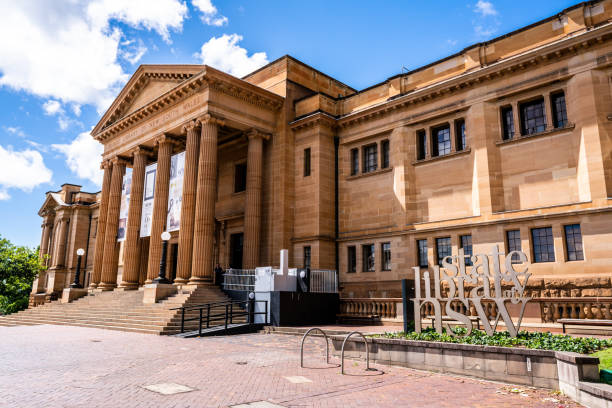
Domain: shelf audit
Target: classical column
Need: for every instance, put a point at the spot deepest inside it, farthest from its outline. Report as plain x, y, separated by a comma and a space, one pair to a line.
252, 210
38, 284
61, 242
190, 184
160, 204
131, 263
204, 229
111, 249
103, 209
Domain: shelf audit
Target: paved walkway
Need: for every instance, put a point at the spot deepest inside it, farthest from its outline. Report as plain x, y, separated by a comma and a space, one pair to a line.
62, 366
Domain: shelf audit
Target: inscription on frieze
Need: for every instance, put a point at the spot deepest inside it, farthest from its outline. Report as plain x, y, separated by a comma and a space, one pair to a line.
493, 282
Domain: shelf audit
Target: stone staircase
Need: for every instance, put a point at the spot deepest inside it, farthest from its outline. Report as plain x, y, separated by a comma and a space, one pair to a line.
120, 310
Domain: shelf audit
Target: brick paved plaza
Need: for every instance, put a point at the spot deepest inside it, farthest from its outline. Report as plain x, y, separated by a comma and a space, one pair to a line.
62, 366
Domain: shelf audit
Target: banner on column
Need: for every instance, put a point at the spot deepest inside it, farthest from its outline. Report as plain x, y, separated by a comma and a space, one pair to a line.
126, 191
147, 200
175, 194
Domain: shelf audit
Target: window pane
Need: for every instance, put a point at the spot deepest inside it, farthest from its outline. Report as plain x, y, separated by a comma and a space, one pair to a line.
386, 256
559, 111
354, 161
421, 144
441, 142
466, 244
422, 252
307, 257
443, 248
240, 177
573, 243
368, 258
513, 239
533, 117
307, 162
460, 134
507, 123
543, 245
369, 158
385, 154
352, 259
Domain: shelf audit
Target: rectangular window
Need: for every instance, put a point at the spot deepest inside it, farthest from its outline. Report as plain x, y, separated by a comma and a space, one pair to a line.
573, 242
460, 135
443, 248
369, 158
533, 117
543, 245
422, 253
386, 256
384, 159
513, 240
240, 176
352, 259
368, 258
441, 141
466, 244
306, 257
307, 162
354, 161
559, 112
421, 144
507, 123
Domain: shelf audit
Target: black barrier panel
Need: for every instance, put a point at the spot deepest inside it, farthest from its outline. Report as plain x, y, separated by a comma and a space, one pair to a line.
297, 309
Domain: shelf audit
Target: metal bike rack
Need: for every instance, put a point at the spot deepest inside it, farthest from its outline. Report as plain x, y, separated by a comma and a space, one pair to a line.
367, 352
302, 345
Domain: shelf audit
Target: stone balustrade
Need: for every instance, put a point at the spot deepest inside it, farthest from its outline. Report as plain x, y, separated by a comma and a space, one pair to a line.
553, 309
385, 308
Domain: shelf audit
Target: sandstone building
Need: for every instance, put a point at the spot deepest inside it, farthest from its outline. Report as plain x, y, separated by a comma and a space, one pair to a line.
507, 143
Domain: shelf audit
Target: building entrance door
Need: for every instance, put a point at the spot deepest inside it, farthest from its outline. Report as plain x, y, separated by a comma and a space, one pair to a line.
236, 251
173, 262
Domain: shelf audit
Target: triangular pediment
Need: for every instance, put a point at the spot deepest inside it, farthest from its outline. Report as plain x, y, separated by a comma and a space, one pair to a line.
148, 83
51, 202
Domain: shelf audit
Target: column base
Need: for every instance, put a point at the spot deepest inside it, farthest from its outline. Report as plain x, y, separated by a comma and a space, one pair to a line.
127, 286
197, 282
107, 286
180, 281
71, 294
93, 286
157, 291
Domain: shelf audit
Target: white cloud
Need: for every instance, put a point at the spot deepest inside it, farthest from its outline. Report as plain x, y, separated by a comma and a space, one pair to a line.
485, 8
83, 157
52, 107
22, 170
67, 50
15, 130
210, 14
225, 54
133, 51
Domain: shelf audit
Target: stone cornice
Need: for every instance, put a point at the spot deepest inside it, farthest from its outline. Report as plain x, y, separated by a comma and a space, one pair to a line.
209, 77
318, 118
562, 48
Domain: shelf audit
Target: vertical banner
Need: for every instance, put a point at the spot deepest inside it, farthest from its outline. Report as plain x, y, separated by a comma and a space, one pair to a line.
147, 200
126, 191
175, 195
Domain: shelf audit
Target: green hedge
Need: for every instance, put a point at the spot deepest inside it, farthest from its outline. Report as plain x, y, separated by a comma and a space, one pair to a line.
532, 340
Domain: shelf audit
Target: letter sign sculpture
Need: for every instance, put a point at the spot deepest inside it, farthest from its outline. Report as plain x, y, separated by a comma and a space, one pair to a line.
487, 282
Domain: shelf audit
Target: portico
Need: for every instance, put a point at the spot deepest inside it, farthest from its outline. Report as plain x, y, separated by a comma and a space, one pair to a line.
216, 120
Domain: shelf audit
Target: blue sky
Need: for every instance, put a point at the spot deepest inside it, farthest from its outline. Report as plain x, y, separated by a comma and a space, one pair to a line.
67, 59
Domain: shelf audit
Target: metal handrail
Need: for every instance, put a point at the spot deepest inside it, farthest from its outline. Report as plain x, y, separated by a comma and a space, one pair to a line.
227, 316
366, 347
302, 346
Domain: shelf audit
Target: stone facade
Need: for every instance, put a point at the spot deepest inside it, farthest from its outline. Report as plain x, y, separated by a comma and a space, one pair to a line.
507, 143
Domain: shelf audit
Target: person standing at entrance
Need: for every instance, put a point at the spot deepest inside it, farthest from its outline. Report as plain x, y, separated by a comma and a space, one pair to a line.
219, 275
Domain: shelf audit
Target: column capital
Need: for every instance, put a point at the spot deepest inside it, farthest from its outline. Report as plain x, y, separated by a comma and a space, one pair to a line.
166, 138
209, 119
119, 160
105, 164
255, 134
140, 151
191, 125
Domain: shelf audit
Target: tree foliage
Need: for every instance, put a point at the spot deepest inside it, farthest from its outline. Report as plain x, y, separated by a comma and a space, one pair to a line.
19, 266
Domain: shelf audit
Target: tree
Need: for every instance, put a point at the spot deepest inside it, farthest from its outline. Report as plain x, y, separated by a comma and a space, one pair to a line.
19, 266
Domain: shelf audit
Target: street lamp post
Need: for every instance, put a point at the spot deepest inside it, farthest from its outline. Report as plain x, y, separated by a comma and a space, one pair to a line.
165, 236
80, 252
